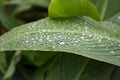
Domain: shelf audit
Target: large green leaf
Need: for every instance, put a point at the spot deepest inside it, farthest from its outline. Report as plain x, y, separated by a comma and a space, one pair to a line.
107, 8
81, 36
71, 8
74, 67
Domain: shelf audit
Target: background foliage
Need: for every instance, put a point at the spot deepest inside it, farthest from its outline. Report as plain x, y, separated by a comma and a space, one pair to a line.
95, 43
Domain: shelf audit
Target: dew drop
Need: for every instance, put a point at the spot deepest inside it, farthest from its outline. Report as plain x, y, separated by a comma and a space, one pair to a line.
99, 40
76, 41
27, 41
34, 41
62, 43
43, 30
50, 40
82, 38
112, 52
118, 17
40, 40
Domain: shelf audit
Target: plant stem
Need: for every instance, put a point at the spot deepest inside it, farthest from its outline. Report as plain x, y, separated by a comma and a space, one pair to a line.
104, 8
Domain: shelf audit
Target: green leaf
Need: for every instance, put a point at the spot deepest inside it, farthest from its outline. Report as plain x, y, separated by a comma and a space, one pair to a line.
38, 58
115, 74
71, 8
38, 3
39, 74
11, 68
107, 8
3, 63
2, 2
74, 67
78, 35
22, 7
9, 21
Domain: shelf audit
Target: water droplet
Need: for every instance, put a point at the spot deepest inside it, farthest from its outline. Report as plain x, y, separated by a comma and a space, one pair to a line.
112, 52
34, 41
99, 40
76, 41
43, 30
118, 17
50, 40
27, 41
82, 38
40, 40
62, 43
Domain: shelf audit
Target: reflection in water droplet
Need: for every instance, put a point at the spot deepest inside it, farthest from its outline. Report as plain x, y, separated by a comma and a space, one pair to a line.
62, 43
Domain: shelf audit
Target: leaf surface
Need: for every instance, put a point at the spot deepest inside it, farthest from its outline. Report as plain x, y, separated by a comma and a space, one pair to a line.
81, 36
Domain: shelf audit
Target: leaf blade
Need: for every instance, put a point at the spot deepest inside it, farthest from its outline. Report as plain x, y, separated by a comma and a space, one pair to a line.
81, 36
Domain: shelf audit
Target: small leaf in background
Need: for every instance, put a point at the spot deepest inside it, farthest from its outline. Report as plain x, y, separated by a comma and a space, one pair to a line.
38, 58
8, 21
78, 35
107, 8
71, 8
21, 8
38, 3
74, 67
116, 74
11, 68
2, 2
3, 63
